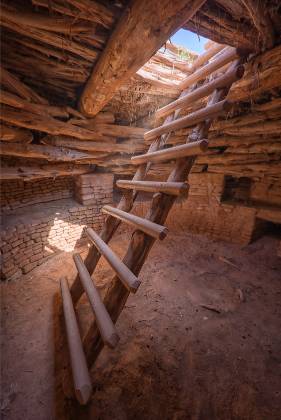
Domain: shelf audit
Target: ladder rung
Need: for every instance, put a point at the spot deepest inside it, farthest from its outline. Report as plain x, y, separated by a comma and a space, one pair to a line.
189, 149
80, 372
105, 325
225, 80
171, 188
209, 112
206, 56
224, 58
152, 229
129, 280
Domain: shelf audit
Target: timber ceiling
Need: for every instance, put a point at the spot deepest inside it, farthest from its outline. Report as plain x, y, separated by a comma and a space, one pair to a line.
50, 47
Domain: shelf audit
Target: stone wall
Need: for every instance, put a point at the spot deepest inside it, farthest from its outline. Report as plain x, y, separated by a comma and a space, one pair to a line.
204, 211
17, 193
32, 234
90, 189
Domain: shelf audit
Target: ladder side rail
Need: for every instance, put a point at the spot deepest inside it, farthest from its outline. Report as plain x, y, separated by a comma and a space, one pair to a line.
126, 203
141, 243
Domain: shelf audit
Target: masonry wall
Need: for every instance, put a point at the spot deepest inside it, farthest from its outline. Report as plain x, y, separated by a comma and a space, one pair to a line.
17, 193
203, 212
27, 241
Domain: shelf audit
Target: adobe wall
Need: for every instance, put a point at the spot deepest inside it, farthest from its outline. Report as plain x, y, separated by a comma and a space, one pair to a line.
17, 193
204, 212
32, 234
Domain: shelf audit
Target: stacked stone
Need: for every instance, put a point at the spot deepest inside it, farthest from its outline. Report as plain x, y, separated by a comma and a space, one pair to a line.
17, 193
94, 188
204, 212
25, 246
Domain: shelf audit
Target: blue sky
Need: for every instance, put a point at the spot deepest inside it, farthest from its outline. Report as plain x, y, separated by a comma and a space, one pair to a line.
189, 40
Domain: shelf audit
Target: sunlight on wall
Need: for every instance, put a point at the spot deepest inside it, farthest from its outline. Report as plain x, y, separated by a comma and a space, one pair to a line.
63, 235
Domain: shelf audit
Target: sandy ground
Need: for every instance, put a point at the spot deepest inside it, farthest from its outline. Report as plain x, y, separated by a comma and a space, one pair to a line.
200, 340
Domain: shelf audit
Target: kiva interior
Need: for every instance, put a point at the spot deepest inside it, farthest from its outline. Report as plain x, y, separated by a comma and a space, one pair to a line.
140, 209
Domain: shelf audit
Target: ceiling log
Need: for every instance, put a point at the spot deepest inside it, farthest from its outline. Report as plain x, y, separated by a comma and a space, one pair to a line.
48, 170
141, 31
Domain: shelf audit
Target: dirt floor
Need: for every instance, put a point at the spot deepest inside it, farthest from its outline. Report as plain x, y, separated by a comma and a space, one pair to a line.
200, 340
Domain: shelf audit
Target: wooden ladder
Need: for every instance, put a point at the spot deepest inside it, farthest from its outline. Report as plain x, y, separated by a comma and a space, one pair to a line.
218, 68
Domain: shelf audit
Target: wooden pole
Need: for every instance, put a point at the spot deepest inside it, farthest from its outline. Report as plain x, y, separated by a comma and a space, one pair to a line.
129, 280
106, 327
172, 188
141, 244
152, 229
228, 55
225, 80
80, 373
142, 29
206, 56
194, 118
190, 149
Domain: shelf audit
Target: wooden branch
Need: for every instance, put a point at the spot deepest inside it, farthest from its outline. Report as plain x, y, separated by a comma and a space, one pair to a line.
261, 74
47, 124
128, 279
157, 81
106, 327
91, 11
103, 15
81, 376
142, 23
129, 146
173, 188
101, 118
30, 173
261, 20
114, 130
17, 102
50, 153
152, 229
212, 22
15, 135
177, 152
225, 80
206, 56
228, 54
12, 83
50, 38
196, 117
49, 23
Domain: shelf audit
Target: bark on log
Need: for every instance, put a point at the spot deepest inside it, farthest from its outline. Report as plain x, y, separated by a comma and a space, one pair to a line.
259, 15
16, 102
15, 135
47, 124
12, 83
50, 38
196, 117
173, 188
205, 57
50, 153
106, 327
225, 80
141, 244
192, 149
129, 146
80, 372
228, 54
142, 23
30, 173
152, 229
49, 23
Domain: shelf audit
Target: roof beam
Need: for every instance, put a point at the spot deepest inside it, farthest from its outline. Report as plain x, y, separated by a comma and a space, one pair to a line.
141, 31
